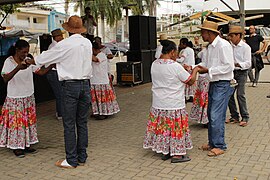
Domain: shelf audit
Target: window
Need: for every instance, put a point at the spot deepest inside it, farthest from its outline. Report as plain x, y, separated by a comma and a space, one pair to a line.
35, 20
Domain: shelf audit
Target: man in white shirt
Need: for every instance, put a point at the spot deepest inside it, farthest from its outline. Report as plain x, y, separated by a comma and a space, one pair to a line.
219, 67
158, 53
73, 58
242, 62
52, 76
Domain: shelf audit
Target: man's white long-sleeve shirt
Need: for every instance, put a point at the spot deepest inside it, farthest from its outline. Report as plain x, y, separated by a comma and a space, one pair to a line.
242, 55
219, 60
72, 56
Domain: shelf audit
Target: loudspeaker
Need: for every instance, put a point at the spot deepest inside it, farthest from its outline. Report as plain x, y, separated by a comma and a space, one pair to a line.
129, 72
152, 23
138, 32
45, 40
146, 58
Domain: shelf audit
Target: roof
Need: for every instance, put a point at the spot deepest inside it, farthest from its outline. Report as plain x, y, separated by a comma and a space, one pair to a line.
254, 5
2, 2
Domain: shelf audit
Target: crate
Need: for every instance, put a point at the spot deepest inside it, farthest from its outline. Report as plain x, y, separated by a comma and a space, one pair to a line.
129, 73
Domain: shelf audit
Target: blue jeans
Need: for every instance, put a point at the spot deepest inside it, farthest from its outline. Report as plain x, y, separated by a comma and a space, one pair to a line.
76, 103
57, 90
218, 97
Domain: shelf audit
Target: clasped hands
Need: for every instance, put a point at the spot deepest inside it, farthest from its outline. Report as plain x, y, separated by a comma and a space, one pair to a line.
201, 69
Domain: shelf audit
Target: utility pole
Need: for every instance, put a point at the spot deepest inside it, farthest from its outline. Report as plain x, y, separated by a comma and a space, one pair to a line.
242, 13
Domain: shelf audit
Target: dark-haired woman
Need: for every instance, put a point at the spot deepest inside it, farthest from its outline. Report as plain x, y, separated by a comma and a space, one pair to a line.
18, 128
187, 57
167, 127
103, 97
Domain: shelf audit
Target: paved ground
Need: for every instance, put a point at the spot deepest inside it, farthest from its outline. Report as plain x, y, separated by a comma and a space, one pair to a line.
115, 145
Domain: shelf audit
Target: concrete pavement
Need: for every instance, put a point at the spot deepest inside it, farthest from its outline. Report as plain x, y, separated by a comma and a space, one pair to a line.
115, 145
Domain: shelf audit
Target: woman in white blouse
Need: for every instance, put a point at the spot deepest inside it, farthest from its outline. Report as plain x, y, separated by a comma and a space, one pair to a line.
18, 123
167, 127
187, 57
103, 97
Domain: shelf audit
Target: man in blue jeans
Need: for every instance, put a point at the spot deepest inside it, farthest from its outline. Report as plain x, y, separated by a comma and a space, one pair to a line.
73, 58
52, 76
242, 62
219, 67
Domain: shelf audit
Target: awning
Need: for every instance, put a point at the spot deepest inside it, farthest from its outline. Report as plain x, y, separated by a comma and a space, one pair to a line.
2, 2
19, 33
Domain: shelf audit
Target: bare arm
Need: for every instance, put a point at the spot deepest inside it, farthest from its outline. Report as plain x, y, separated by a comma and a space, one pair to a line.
9, 76
193, 76
44, 70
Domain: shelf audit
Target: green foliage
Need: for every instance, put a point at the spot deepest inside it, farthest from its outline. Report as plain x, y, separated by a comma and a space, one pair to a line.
5, 8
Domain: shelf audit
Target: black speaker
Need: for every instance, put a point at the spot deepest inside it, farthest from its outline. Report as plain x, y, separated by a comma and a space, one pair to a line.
152, 23
129, 72
138, 32
145, 56
45, 40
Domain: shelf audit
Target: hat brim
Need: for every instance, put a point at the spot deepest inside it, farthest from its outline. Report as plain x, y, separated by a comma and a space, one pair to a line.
209, 29
236, 32
73, 30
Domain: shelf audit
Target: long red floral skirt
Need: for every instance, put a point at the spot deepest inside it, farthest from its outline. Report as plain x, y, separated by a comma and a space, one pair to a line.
103, 100
18, 123
200, 102
168, 132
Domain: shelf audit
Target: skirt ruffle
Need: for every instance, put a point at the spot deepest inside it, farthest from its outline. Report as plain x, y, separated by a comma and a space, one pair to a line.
103, 100
18, 123
168, 132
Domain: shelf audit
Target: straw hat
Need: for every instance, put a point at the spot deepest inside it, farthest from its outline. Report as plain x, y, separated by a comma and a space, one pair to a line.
57, 32
235, 30
74, 25
210, 26
163, 37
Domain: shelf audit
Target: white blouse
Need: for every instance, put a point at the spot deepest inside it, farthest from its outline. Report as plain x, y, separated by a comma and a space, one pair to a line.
187, 56
100, 72
168, 84
21, 85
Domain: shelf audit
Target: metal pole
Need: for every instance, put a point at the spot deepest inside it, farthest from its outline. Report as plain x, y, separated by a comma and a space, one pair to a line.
242, 13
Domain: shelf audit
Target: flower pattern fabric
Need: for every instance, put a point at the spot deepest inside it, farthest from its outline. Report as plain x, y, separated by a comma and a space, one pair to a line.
103, 100
200, 101
18, 123
168, 132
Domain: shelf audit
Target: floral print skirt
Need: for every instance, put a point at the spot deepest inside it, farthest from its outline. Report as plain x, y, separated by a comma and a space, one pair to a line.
18, 123
199, 108
103, 100
168, 132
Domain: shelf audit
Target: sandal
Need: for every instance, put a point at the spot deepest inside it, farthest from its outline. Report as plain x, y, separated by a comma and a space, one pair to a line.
30, 150
215, 152
232, 121
205, 147
243, 123
64, 164
179, 159
166, 157
19, 153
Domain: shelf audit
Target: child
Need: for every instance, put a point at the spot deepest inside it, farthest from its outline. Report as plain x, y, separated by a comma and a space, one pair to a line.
187, 57
103, 97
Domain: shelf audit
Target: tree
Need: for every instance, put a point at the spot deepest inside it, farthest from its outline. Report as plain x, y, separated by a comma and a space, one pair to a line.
9, 8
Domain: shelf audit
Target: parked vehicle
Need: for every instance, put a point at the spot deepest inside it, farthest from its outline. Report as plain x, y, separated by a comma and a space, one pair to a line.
114, 47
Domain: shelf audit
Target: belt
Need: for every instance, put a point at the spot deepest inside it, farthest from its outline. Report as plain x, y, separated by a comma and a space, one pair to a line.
76, 80
240, 70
